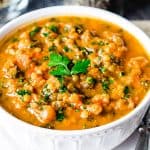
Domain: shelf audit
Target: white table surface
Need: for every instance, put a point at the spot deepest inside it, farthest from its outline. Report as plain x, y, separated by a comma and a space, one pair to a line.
8, 143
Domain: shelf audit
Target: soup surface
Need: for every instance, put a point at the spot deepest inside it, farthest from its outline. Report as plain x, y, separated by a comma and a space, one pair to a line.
72, 73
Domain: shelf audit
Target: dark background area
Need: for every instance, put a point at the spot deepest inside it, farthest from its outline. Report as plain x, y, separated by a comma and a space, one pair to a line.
131, 9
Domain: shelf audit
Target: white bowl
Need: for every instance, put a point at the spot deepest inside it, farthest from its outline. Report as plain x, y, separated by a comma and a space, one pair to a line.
99, 138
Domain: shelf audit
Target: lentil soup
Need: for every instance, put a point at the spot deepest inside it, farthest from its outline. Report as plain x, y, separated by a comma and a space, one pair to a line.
72, 73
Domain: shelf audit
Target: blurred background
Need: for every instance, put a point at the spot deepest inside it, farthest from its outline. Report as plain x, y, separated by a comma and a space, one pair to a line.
131, 9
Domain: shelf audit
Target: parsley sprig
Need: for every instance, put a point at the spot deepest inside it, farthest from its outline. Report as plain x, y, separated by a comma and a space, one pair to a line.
61, 62
80, 66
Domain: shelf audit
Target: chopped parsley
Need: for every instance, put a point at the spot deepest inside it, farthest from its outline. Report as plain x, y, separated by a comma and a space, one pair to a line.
53, 28
126, 92
102, 69
52, 48
100, 43
79, 28
106, 83
62, 89
66, 49
46, 92
21, 80
85, 50
45, 34
60, 115
14, 39
23, 92
34, 31
90, 80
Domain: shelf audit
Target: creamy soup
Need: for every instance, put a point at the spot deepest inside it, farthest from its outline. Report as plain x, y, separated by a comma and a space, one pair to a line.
72, 73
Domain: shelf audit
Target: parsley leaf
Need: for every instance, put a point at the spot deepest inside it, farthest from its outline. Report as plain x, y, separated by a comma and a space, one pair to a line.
57, 59
61, 65
80, 66
60, 62
60, 71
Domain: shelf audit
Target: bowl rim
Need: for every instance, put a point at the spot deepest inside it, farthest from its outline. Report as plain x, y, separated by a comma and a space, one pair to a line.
86, 11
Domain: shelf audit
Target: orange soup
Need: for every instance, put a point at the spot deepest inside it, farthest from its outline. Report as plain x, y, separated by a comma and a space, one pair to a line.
72, 73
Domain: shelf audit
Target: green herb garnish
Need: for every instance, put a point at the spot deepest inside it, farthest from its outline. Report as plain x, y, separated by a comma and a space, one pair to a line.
53, 28
61, 65
102, 69
80, 66
100, 43
46, 34
46, 92
126, 92
60, 62
57, 59
85, 50
60, 115
23, 92
21, 80
90, 80
106, 83
62, 89
14, 39
79, 28
66, 49
34, 31
52, 48
60, 71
